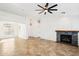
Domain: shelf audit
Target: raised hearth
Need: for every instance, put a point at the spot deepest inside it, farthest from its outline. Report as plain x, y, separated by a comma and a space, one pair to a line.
67, 36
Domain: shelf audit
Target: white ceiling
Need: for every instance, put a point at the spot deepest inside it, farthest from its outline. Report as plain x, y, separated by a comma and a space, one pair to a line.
26, 9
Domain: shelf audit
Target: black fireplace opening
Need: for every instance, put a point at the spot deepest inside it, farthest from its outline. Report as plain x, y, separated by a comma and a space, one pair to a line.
66, 39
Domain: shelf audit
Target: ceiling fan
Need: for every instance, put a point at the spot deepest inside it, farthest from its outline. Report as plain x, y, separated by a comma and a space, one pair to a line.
46, 9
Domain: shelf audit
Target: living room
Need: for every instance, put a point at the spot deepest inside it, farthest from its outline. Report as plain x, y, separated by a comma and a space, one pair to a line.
26, 30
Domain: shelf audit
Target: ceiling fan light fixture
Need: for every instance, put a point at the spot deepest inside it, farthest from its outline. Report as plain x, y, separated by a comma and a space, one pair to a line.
45, 10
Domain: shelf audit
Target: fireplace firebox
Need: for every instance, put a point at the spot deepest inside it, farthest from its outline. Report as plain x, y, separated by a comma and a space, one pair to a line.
66, 39
67, 36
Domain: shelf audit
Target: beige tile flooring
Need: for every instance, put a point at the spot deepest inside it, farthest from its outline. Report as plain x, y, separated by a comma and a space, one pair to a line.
35, 47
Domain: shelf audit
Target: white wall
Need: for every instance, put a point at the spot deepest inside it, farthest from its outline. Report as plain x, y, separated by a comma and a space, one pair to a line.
22, 31
47, 26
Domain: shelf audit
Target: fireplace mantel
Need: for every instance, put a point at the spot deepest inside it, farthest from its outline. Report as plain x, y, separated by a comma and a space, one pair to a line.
67, 30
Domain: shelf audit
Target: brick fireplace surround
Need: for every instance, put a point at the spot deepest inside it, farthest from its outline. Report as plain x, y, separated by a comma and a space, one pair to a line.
67, 33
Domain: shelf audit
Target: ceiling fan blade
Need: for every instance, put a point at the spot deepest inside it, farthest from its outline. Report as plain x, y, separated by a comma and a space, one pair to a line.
49, 11
53, 6
53, 9
41, 6
46, 5
41, 12
45, 13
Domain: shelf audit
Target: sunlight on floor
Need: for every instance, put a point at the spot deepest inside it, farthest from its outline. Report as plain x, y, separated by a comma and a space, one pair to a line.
7, 46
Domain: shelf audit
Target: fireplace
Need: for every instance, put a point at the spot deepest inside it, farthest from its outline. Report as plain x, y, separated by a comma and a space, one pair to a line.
66, 39
67, 36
